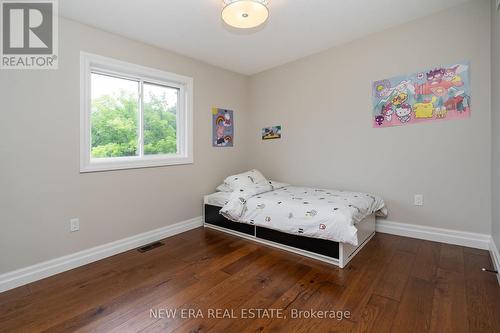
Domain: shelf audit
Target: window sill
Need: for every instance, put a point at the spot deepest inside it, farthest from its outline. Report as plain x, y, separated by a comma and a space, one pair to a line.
123, 163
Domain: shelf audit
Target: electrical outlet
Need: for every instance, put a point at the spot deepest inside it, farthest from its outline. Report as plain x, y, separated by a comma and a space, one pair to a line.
74, 225
419, 200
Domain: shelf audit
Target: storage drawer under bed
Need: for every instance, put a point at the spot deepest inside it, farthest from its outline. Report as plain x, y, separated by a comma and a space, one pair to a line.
213, 217
319, 246
314, 245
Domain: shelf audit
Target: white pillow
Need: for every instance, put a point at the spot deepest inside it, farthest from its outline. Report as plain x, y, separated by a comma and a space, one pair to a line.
277, 185
224, 188
246, 179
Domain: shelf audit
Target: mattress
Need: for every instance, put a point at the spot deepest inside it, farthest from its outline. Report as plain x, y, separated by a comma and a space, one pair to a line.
218, 199
311, 212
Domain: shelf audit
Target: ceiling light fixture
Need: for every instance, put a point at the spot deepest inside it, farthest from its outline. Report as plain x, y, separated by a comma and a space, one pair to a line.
245, 14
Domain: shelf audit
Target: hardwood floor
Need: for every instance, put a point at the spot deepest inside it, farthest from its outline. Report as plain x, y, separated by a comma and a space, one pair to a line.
394, 284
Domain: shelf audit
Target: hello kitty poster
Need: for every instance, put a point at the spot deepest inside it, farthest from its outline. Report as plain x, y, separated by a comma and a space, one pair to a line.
441, 93
223, 128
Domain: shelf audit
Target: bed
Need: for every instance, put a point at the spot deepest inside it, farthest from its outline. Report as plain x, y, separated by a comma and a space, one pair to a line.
327, 225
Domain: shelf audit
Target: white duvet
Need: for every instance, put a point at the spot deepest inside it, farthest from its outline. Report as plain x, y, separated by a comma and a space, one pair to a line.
317, 213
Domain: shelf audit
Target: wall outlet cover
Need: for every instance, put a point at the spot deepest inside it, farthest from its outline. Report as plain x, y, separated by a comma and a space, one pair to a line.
74, 225
419, 200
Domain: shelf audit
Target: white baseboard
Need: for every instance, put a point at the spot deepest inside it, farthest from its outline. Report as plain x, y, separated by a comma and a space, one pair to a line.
495, 257
48, 268
449, 236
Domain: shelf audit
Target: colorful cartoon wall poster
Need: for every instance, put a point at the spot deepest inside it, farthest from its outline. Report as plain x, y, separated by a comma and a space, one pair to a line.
269, 133
223, 128
442, 93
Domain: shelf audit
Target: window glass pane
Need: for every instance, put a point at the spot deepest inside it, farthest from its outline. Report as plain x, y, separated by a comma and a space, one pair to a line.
160, 119
114, 117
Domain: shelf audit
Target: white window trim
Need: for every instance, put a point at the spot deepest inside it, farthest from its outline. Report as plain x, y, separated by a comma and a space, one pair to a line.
91, 62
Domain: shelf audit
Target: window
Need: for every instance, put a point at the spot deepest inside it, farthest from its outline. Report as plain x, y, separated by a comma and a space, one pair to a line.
133, 116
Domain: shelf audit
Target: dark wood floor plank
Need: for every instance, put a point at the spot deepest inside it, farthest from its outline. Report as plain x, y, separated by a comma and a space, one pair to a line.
325, 299
483, 295
395, 276
282, 279
14, 295
137, 316
470, 250
451, 258
295, 296
449, 309
203, 271
394, 283
427, 261
116, 308
378, 315
323, 296
108, 284
244, 261
362, 276
77, 276
408, 244
247, 280
415, 308
91, 295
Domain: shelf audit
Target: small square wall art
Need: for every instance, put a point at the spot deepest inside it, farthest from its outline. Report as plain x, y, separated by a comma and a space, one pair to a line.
222, 128
436, 94
270, 133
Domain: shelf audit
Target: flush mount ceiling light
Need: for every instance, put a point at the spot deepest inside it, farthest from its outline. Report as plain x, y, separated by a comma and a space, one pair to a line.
245, 14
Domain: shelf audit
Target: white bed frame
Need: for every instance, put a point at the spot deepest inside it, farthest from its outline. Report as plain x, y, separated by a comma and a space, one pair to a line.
366, 230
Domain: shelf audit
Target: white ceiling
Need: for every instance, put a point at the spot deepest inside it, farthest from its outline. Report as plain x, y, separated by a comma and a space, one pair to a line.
296, 28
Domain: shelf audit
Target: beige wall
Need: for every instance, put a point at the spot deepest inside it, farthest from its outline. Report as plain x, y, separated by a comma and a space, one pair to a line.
323, 103
41, 187
495, 121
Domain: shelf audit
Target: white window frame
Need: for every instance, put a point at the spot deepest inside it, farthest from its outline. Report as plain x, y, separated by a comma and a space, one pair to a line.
94, 63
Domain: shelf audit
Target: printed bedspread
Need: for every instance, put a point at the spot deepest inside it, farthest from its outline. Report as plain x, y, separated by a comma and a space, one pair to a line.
317, 213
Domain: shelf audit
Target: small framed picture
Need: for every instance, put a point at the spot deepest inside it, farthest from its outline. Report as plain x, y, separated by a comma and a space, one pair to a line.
270, 133
222, 128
